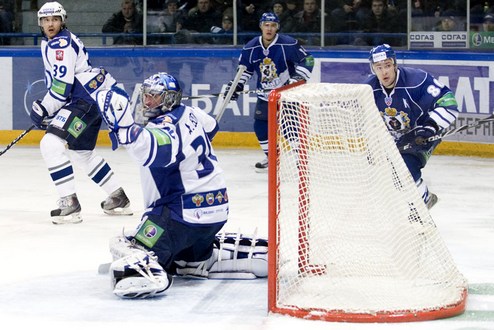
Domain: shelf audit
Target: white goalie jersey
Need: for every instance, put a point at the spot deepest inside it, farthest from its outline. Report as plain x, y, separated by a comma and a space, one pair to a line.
179, 168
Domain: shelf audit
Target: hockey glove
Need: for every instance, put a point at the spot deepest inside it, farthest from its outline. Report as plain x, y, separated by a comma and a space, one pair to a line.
239, 88
114, 107
294, 79
416, 139
39, 115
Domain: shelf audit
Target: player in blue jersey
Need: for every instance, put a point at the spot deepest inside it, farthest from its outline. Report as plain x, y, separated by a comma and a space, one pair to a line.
278, 60
185, 195
69, 114
415, 106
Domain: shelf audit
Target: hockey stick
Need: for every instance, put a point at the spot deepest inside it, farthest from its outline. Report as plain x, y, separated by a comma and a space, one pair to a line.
240, 71
17, 139
462, 128
219, 94
104, 268
450, 132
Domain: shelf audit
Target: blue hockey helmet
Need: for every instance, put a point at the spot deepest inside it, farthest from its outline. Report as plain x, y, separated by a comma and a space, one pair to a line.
269, 17
167, 87
381, 53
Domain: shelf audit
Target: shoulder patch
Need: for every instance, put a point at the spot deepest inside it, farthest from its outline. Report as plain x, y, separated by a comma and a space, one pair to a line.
309, 60
59, 42
161, 137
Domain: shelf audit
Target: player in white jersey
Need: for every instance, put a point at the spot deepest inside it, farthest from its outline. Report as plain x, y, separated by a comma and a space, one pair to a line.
70, 115
278, 60
185, 195
415, 106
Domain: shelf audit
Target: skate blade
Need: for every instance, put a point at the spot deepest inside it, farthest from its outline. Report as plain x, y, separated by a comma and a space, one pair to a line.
433, 200
73, 218
119, 211
261, 170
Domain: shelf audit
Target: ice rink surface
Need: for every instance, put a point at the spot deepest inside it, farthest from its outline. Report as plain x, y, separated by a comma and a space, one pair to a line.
49, 273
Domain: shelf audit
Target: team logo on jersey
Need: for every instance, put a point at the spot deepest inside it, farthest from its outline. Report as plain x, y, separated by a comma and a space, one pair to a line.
268, 70
198, 199
59, 55
210, 198
100, 77
396, 121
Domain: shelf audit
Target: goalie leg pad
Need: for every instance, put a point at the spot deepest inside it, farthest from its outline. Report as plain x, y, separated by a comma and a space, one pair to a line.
139, 275
235, 256
122, 246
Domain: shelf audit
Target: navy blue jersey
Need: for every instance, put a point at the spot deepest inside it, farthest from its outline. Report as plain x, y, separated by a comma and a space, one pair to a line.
418, 99
275, 65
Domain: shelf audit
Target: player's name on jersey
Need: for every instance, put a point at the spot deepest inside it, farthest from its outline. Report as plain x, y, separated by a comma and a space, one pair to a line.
456, 39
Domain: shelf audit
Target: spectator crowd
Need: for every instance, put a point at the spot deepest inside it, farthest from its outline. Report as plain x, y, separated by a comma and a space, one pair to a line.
346, 22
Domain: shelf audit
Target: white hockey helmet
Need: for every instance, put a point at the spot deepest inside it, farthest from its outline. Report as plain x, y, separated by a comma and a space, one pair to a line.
52, 8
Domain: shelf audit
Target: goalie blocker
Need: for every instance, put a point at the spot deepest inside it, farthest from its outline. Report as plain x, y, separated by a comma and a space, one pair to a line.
136, 272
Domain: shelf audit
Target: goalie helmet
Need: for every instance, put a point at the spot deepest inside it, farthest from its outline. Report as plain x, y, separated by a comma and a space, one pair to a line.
52, 9
166, 87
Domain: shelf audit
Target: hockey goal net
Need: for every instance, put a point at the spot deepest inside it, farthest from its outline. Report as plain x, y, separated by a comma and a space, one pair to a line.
350, 238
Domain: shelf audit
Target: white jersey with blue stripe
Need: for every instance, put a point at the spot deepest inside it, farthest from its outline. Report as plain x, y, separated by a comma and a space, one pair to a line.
68, 72
275, 64
179, 169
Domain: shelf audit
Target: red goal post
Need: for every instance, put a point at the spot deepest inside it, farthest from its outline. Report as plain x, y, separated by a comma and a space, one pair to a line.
350, 239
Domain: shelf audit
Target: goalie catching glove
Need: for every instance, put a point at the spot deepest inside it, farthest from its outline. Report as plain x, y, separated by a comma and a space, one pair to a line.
239, 88
114, 107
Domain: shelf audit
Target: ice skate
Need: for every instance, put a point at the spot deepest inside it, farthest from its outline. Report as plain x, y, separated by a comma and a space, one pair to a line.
69, 211
117, 203
432, 200
262, 166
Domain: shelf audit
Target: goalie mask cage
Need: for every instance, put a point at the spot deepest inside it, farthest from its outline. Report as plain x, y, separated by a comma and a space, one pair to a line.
350, 238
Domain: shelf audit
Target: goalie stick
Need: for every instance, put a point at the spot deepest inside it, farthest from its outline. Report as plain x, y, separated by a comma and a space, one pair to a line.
104, 268
219, 94
17, 139
240, 71
450, 132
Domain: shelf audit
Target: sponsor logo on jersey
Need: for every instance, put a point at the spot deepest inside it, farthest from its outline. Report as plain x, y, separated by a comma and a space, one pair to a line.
59, 55
60, 42
59, 87
149, 233
161, 137
76, 127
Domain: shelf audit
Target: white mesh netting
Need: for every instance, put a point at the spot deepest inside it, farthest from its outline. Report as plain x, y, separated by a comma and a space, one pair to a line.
354, 236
